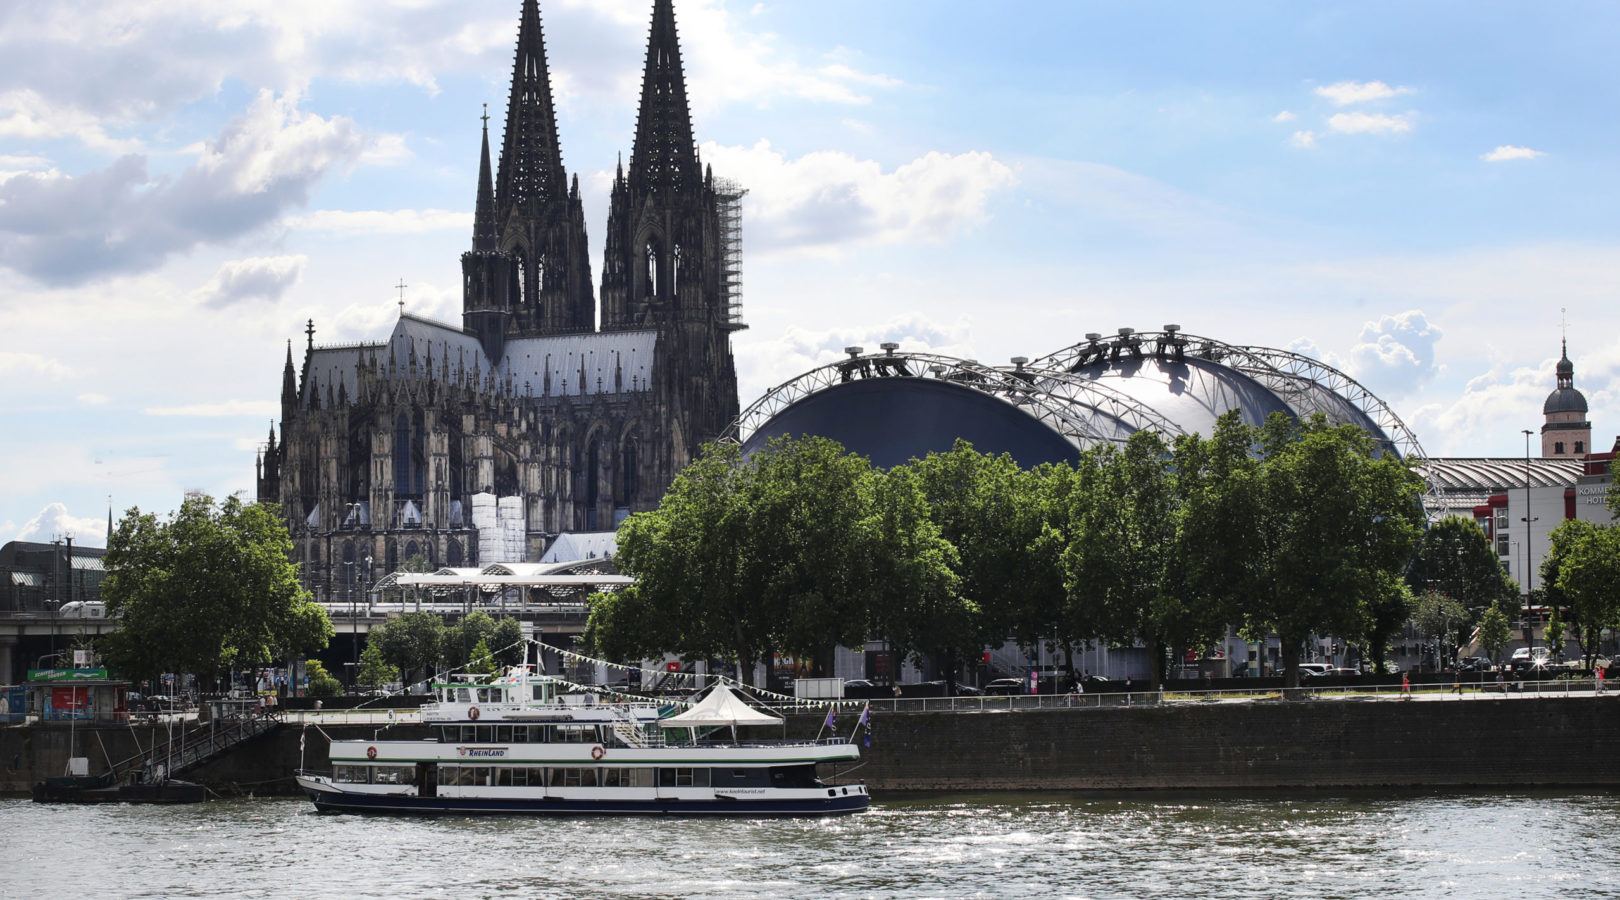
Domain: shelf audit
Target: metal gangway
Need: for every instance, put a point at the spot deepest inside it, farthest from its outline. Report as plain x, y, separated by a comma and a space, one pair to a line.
221, 735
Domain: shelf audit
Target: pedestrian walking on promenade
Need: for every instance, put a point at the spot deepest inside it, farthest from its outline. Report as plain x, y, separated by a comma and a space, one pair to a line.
1406, 686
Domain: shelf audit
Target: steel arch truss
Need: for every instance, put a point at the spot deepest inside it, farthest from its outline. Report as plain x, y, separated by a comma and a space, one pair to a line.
1053, 398
1297, 380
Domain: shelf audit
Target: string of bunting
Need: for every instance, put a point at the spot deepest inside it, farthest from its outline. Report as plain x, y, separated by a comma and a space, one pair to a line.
695, 676
443, 674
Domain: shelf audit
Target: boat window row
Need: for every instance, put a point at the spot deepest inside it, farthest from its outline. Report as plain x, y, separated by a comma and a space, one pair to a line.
567, 776
345, 774
520, 734
477, 694
550, 776
571, 776
490, 694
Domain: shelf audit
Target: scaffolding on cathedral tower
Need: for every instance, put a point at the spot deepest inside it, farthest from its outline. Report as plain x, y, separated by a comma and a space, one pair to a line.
729, 195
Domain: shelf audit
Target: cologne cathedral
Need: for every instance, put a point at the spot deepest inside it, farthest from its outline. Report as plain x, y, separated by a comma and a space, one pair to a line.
539, 413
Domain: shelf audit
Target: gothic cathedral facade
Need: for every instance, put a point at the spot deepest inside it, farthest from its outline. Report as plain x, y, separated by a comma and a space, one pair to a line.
538, 414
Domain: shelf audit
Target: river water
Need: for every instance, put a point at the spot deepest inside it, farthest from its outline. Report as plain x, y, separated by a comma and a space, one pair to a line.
1559, 845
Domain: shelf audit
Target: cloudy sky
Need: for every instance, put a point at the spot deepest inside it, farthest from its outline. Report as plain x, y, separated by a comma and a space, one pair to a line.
1412, 192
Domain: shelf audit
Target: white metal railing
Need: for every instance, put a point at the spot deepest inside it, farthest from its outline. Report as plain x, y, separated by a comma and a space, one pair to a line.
1457, 691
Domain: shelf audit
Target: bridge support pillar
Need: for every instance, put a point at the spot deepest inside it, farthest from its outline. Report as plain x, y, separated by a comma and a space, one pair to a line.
7, 648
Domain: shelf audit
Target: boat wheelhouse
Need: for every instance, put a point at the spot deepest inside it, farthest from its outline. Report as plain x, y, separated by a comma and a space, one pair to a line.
523, 743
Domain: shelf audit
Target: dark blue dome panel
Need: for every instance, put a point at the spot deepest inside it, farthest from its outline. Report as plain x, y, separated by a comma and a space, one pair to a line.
893, 420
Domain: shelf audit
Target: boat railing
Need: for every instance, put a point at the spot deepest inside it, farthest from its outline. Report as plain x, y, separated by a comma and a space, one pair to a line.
759, 744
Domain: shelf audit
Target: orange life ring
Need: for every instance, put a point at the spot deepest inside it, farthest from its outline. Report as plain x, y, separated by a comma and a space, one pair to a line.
473, 714
597, 752
371, 753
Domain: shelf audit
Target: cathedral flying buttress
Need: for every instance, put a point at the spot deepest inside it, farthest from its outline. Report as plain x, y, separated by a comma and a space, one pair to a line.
478, 442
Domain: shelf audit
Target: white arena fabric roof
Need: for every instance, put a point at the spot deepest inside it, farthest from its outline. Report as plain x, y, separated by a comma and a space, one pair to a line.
894, 405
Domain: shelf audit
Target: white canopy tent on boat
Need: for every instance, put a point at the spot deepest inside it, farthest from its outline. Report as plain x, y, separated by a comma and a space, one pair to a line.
721, 707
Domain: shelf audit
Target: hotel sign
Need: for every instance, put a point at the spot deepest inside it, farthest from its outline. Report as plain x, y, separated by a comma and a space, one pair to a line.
1595, 494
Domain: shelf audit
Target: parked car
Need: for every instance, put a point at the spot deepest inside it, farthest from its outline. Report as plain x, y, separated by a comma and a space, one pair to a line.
1007, 686
858, 683
1529, 658
1312, 669
1475, 664
1341, 671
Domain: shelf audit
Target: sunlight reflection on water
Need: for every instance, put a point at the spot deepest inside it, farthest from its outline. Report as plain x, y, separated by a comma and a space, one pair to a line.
986, 845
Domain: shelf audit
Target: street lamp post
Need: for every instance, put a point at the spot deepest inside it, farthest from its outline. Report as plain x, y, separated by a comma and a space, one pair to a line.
1527, 519
354, 626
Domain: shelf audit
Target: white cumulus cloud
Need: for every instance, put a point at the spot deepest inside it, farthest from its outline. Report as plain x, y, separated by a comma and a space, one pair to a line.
1371, 123
1396, 354
257, 408
1508, 152
826, 200
263, 278
1349, 93
16, 365
1304, 140
379, 221
66, 230
54, 521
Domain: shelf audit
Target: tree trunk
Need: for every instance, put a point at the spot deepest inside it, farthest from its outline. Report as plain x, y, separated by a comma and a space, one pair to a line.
1290, 657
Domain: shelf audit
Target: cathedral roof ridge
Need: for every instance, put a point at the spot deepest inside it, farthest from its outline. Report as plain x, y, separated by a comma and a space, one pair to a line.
349, 345
427, 321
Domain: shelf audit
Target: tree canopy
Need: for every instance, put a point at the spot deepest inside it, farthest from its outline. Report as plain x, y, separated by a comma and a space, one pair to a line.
1296, 528
1588, 567
1338, 526
413, 643
207, 589
1455, 558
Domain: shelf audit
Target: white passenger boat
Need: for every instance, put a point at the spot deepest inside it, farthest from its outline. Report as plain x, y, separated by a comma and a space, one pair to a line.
524, 744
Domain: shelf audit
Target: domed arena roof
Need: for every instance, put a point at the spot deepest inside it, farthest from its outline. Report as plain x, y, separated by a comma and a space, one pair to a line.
894, 406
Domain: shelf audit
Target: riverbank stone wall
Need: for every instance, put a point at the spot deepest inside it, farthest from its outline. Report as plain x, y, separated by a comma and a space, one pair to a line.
1508, 741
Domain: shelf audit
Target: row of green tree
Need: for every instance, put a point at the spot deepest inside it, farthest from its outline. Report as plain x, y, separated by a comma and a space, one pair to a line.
415, 646
1293, 528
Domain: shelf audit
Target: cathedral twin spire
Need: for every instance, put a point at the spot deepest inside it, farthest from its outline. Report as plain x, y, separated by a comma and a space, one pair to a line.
528, 273
531, 173
664, 155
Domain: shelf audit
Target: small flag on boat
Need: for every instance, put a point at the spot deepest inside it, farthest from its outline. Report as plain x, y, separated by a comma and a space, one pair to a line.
301, 741
866, 723
832, 719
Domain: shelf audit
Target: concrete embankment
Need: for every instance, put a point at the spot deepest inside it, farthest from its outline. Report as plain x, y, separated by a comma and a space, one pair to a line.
1509, 741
